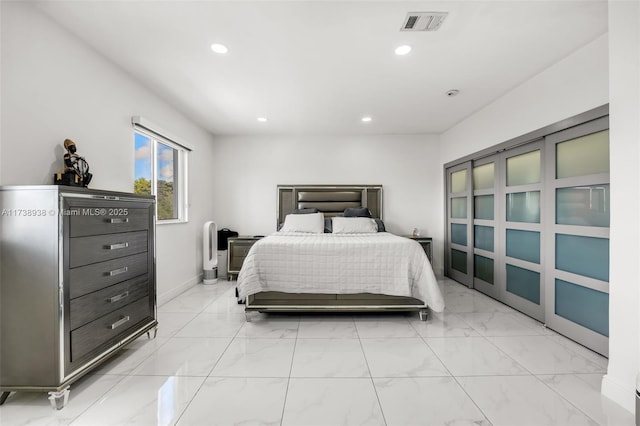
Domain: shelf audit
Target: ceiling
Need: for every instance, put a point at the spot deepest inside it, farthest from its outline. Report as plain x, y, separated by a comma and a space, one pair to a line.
317, 67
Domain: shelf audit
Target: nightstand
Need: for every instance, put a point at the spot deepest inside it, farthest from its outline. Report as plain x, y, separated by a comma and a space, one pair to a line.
425, 242
238, 248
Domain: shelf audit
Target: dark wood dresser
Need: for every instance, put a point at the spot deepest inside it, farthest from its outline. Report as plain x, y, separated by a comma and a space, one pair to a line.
77, 282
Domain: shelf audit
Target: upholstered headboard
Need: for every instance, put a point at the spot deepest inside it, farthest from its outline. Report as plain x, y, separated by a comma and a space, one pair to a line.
329, 199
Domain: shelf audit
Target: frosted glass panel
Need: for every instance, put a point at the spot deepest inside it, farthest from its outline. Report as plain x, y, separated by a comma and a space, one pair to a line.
483, 176
523, 245
459, 181
583, 205
484, 207
459, 234
523, 169
584, 306
523, 283
459, 207
483, 237
459, 260
583, 156
587, 256
523, 207
483, 267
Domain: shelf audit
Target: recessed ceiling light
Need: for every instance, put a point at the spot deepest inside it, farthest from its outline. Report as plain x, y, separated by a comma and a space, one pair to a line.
219, 48
366, 119
453, 92
403, 50
262, 119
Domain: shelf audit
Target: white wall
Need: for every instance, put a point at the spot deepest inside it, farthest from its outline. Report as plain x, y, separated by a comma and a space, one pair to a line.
574, 85
55, 87
248, 170
624, 316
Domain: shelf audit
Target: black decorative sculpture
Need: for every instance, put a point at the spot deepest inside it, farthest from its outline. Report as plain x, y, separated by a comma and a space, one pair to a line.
76, 168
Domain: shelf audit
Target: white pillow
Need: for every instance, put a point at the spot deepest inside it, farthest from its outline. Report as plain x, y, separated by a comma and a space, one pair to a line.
311, 222
354, 225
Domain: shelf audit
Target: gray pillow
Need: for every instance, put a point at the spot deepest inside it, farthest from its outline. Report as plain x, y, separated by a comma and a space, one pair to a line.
379, 222
357, 212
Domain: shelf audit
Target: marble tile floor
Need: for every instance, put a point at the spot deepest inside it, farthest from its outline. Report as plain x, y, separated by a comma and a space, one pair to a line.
478, 363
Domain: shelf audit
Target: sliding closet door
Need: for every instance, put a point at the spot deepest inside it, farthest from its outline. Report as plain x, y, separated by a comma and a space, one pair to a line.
459, 241
522, 270
578, 243
485, 203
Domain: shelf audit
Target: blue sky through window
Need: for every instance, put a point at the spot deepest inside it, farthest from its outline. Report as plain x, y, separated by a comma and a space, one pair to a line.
143, 156
165, 162
143, 152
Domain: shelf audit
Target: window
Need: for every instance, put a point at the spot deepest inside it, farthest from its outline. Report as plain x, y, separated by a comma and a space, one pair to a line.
160, 170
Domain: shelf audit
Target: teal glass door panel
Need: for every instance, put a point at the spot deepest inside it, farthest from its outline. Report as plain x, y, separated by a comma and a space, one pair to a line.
483, 237
459, 223
523, 207
583, 205
578, 212
483, 176
459, 208
523, 245
524, 169
459, 234
586, 256
487, 178
483, 205
582, 305
459, 260
483, 268
586, 155
459, 181
523, 283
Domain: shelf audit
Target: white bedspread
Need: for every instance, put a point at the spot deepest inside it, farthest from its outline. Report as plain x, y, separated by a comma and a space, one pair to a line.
380, 263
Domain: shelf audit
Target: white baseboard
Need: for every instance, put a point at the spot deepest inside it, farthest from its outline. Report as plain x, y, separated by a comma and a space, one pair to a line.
178, 290
619, 393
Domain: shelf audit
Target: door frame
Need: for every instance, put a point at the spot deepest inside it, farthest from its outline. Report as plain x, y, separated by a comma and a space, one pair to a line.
461, 277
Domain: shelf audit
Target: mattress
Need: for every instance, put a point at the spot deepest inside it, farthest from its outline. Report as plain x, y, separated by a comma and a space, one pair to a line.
380, 263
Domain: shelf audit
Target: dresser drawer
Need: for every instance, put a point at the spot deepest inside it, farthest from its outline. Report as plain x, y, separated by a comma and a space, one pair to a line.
107, 328
94, 305
235, 264
92, 220
98, 248
90, 278
240, 250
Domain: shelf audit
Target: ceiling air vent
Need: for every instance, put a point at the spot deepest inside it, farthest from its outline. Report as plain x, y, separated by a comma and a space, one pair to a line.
423, 21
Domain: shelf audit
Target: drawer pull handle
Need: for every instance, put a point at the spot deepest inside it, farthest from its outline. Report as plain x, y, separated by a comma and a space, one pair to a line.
117, 246
118, 297
119, 322
118, 220
118, 271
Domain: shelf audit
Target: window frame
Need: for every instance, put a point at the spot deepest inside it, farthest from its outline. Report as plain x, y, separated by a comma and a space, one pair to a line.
180, 179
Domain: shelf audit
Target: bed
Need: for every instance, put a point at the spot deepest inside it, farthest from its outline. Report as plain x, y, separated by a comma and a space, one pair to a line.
342, 271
